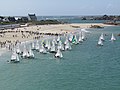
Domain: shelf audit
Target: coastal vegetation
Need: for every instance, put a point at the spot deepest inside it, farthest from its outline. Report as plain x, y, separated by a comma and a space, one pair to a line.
42, 22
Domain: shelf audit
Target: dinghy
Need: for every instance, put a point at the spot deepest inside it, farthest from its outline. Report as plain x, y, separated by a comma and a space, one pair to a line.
112, 37
68, 46
42, 49
58, 54
14, 57
31, 54
102, 37
25, 53
18, 51
37, 46
80, 37
53, 48
100, 42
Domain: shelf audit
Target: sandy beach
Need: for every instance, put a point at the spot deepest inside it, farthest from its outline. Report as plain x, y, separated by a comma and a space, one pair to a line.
22, 34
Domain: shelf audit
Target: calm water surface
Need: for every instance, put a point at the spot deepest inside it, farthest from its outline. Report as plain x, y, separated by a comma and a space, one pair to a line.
86, 67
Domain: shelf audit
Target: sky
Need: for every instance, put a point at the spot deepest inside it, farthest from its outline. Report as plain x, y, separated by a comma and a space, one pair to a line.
59, 7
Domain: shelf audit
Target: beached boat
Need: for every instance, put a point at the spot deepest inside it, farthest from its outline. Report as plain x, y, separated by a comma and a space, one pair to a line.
58, 54
112, 38
14, 57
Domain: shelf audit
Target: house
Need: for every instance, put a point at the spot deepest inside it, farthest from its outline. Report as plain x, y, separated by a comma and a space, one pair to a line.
1, 18
24, 19
11, 19
32, 17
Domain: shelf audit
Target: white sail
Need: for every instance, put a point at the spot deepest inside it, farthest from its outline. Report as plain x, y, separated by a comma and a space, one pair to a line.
66, 41
37, 45
58, 39
102, 37
70, 37
31, 54
54, 40
42, 49
46, 44
25, 52
80, 37
100, 42
112, 37
33, 45
14, 57
83, 35
18, 51
53, 49
49, 45
68, 46
60, 45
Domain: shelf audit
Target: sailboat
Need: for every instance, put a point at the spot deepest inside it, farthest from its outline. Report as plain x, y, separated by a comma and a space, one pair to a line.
58, 54
49, 46
46, 44
31, 54
70, 37
74, 40
66, 41
18, 51
37, 46
42, 49
55, 41
14, 57
53, 48
80, 37
33, 46
58, 39
112, 37
102, 37
83, 35
100, 42
68, 46
61, 46
25, 53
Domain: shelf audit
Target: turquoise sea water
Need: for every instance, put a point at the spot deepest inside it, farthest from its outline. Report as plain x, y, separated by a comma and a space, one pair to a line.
85, 67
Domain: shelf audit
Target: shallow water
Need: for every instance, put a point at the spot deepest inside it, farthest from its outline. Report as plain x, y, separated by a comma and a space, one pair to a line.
85, 67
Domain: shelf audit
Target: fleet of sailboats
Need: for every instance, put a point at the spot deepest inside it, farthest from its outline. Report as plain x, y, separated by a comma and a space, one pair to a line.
55, 46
